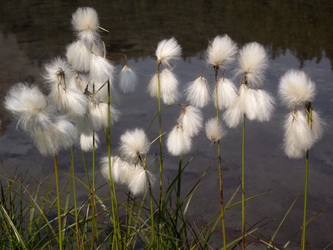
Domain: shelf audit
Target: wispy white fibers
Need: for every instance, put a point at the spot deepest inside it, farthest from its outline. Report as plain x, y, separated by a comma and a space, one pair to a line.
214, 129
153, 164
234, 114
168, 86
128, 80
297, 138
133, 143
167, 51
178, 141
251, 104
98, 112
61, 134
227, 93
252, 62
153, 86
101, 69
88, 142
117, 168
198, 92
316, 125
29, 105
221, 51
85, 23
266, 105
78, 56
139, 182
63, 94
296, 87
191, 120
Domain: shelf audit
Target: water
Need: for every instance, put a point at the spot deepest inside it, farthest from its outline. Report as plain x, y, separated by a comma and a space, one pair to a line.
295, 35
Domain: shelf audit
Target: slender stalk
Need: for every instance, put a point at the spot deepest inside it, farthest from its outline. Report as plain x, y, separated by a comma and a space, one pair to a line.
243, 185
75, 205
179, 187
161, 152
58, 201
220, 163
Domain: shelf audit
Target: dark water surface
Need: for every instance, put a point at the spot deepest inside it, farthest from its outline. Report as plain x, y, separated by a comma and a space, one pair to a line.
296, 34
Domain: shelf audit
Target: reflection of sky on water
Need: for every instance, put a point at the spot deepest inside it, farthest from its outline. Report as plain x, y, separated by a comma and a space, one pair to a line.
266, 165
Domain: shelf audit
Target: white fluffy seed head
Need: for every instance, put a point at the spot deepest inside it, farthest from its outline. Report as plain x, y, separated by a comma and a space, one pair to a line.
266, 105
178, 142
296, 87
78, 56
221, 51
191, 120
98, 113
88, 142
214, 129
251, 104
226, 93
85, 23
153, 86
117, 168
128, 80
167, 51
168, 86
198, 92
234, 114
140, 181
58, 73
29, 105
101, 69
133, 143
316, 125
252, 62
298, 137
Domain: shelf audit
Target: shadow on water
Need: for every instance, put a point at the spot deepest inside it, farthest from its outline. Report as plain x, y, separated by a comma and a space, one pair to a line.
296, 34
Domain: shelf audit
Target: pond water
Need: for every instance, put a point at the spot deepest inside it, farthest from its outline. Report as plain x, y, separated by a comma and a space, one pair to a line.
295, 35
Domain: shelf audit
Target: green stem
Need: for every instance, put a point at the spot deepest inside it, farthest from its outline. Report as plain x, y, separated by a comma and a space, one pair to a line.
75, 205
161, 152
58, 201
305, 198
220, 162
243, 185
178, 188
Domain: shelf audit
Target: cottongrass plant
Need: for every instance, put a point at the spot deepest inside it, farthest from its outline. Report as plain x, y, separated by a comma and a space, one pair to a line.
303, 126
252, 102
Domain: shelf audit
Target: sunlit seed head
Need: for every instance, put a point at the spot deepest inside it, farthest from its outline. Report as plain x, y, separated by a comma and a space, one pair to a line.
116, 164
234, 114
265, 104
178, 142
168, 86
252, 61
88, 142
191, 120
296, 87
317, 125
221, 51
133, 143
226, 93
198, 92
167, 51
214, 129
140, 181
128, 80
85, 22
251, 107
57, 73
98, 113
78, 56
101, 69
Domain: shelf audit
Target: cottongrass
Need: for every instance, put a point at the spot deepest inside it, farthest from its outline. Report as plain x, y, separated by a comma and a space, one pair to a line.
167, 51
252, 61
78, 56
214, 130
168, 86
178, 141
89, 142
226, 93
221, 51
128, 80
198, 92
191, 120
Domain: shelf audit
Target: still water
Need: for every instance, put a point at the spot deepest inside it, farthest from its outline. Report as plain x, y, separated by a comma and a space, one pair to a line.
296, 34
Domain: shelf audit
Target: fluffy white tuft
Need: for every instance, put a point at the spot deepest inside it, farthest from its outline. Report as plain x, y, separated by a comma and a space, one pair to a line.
252, 62
128, 80
29, 105
221, 51
226, 93
153, 86
78, 56
266, 105
168, 86
140, 181
234, 114
296, 87
198, 92
316, 126
58, 73
191, 120
101, 70
214, 129
167, 51
298, 137
118, 170
88, 142
85, 23
251, 104
133, 143
178, 142
98, 112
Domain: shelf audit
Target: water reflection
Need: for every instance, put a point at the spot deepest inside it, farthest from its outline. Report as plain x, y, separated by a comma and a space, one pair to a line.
295, 34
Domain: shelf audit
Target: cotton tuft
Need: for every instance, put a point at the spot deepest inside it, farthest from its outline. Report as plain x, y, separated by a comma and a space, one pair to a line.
214, 129
167, 51
178, 141
198, 92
